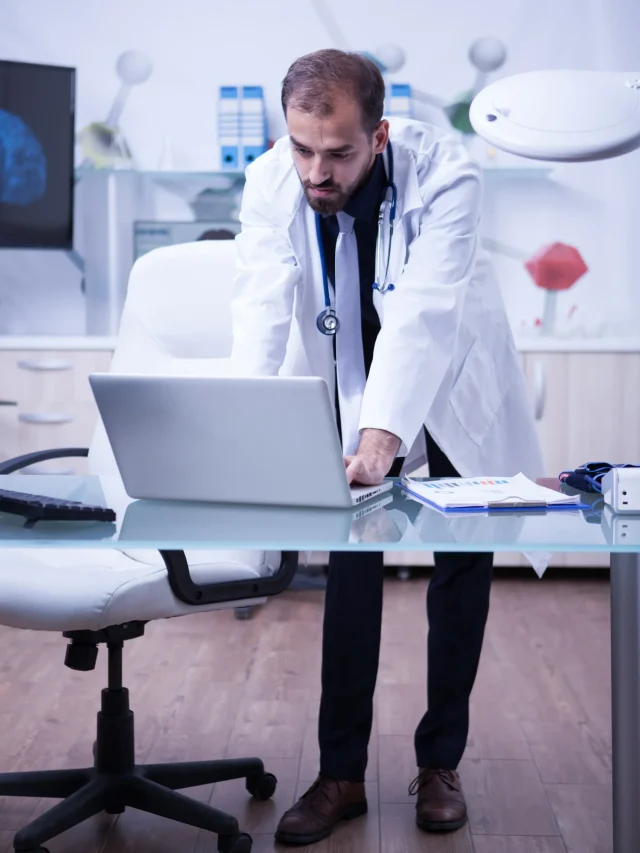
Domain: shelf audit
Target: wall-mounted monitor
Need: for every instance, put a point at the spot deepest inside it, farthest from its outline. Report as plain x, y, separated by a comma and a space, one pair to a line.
37, 132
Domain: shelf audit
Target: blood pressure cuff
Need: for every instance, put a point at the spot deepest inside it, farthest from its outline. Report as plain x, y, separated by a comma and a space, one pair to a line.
588, 478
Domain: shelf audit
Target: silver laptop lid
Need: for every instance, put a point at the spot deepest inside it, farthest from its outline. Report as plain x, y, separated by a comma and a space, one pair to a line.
224, 439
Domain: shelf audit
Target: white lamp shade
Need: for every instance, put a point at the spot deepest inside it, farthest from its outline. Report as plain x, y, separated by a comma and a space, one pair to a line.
561, 115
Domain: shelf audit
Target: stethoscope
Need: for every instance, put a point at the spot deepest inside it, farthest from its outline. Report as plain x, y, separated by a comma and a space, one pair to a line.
327, 321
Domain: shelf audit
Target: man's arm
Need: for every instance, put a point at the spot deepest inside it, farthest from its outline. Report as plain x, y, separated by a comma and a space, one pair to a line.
264, 289
421, 316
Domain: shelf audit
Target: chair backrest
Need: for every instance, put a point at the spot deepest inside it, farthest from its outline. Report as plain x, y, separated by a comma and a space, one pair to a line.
176, 319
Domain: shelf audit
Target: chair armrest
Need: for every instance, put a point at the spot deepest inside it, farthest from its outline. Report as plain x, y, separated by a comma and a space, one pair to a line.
18, 462
184, 588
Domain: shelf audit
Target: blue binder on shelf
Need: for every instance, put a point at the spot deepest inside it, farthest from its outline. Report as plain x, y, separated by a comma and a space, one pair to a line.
229, 128
398, 100
253, 124
242, 126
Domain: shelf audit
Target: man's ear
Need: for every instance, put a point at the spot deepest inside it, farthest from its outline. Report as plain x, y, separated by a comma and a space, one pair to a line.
380, 137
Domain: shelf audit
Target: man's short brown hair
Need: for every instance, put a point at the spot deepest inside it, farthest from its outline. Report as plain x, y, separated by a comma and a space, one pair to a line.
313, 81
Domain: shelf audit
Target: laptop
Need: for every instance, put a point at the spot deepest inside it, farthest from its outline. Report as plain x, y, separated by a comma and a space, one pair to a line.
246, 440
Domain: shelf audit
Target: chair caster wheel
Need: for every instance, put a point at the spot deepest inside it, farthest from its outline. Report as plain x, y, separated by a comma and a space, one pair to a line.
262, 787
240, 843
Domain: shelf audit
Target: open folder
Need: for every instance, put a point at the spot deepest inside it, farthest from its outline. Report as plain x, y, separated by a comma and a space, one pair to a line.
482, 494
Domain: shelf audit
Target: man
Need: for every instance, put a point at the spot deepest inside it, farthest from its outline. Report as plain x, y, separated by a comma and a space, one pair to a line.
423, 361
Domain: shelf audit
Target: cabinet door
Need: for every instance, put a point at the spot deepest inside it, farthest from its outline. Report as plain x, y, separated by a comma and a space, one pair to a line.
55, 404
585, 407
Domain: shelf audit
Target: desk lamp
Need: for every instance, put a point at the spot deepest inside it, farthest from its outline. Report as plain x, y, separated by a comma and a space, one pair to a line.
561, 115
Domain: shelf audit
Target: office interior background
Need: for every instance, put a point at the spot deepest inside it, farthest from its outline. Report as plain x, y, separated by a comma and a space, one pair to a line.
59, 316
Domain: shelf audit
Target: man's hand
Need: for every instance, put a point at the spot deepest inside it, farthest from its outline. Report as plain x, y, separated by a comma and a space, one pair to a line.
374, 457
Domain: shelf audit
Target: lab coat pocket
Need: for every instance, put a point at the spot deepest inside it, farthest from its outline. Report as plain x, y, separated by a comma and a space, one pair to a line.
477, 392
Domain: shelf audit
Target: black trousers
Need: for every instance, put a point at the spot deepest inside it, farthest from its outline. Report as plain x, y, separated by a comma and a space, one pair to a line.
457, 610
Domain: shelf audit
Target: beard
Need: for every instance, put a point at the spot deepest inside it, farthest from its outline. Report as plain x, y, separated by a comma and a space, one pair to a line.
339, 196
329, 205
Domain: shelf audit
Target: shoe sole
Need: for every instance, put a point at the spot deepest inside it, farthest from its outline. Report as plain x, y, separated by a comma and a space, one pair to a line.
350, 813
441, 826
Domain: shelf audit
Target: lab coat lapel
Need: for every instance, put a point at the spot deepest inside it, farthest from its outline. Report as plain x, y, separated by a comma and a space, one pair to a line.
409, 200
318, 347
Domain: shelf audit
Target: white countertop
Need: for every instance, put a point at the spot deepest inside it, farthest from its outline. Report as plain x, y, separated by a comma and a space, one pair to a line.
56, 342
90, 342
618, 344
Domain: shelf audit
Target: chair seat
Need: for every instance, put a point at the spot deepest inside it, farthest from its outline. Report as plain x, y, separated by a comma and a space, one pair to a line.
90, 589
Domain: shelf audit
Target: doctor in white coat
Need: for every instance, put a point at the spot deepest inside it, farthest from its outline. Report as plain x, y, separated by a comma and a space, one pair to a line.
422, 365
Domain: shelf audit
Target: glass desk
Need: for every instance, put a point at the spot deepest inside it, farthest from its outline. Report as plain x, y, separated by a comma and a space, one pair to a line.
395, 523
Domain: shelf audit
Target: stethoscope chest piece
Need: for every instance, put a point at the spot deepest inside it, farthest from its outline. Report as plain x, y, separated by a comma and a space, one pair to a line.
328, 322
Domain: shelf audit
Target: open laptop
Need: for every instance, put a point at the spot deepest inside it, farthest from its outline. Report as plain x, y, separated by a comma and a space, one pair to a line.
262, 440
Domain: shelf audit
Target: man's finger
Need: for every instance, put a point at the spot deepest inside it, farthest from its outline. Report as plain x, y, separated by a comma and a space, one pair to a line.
352, 469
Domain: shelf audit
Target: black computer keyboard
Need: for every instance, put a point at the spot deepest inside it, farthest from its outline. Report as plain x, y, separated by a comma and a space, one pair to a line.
40, 507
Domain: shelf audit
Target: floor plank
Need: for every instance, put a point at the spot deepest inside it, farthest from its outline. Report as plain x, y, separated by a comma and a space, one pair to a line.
270, 728
506, 798
517, 844
569, 753
495, 732
584, 816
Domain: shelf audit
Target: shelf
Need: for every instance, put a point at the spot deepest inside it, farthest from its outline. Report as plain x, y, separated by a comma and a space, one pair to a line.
232, 178
532, 173
57, 342
189, 182
523, 344
577, 344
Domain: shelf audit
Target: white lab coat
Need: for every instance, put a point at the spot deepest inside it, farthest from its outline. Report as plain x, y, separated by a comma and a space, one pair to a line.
445, 355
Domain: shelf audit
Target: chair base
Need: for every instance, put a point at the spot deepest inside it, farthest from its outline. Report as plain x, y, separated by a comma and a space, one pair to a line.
116, 782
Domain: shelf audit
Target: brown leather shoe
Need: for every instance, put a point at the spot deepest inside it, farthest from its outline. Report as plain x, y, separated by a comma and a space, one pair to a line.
440, 806
314, 816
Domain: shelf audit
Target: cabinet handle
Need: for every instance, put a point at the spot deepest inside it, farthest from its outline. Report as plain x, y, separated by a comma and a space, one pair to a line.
45, 364
45, 418
539, 389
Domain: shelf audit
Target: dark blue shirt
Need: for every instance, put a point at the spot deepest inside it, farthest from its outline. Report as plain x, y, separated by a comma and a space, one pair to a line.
364, 206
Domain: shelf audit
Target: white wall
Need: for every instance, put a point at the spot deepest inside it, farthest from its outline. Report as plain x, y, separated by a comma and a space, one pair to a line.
198, 45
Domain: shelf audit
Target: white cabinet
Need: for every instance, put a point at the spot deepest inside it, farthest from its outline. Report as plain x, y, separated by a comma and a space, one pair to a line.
588, 407
587, 410
55, 407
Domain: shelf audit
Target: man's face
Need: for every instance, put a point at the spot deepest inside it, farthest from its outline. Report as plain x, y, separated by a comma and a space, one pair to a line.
333, 155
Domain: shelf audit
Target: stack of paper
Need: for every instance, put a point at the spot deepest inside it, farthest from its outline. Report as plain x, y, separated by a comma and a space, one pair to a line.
460, 494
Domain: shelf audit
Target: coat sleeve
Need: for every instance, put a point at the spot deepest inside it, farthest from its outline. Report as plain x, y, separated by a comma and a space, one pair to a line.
264, 286
416, 343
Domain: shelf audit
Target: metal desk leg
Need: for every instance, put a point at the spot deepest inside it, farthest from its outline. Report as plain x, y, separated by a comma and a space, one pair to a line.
625, 700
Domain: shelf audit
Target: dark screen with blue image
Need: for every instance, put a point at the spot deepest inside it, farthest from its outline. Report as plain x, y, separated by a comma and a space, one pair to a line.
37, 115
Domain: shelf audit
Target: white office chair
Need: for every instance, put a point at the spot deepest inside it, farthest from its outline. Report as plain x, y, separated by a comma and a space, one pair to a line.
176, 319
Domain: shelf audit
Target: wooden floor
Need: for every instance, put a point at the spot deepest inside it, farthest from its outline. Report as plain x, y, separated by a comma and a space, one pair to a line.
537, 771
